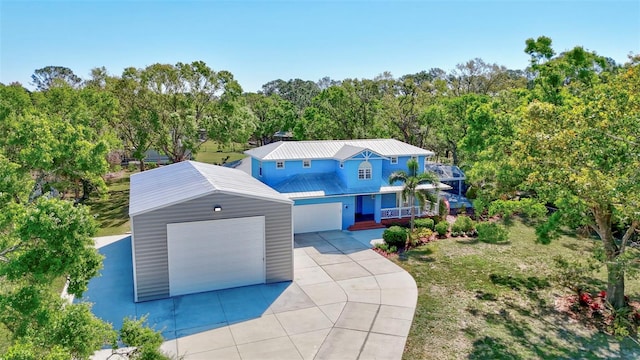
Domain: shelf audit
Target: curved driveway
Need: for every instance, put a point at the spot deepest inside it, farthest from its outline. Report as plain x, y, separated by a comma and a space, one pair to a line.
347, 302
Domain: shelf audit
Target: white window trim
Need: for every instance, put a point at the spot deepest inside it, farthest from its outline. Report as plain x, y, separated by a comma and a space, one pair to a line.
394, 160
280, 162
306, 163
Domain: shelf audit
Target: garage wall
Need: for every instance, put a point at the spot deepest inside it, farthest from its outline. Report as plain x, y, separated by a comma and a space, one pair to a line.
150, 238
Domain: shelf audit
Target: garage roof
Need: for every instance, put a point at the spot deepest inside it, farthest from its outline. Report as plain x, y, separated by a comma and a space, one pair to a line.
183, 181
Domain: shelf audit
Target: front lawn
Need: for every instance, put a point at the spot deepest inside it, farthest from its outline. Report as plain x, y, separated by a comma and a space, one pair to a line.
487, 301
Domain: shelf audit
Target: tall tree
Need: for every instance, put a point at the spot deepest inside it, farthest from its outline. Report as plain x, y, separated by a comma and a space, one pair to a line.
272, 114
297, 91
411, 181
49, 76
584, 158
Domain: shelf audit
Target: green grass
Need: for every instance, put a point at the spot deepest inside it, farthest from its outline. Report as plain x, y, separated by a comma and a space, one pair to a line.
212, 153
484, 301
112, 210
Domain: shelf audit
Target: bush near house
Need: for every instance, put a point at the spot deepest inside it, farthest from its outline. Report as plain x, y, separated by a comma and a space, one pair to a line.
395, 236
442, 228
425, 223
463, 225
492, 233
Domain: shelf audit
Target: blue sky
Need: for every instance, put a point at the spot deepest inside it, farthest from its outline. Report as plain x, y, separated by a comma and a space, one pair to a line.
259, 41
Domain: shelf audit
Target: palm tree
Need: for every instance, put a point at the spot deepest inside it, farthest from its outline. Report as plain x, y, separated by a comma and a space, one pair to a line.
411, 180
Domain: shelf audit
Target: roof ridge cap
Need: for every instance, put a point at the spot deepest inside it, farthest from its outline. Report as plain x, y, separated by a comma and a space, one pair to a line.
214, 186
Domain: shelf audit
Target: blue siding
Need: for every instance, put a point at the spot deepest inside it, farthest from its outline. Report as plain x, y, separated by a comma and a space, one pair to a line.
388, 167
388, 201
368, 205
351, 174
255, 170
348, 207
272, 175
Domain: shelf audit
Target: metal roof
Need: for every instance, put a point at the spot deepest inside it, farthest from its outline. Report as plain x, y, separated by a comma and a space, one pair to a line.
333, 149
330, 184
445, 172
187, 180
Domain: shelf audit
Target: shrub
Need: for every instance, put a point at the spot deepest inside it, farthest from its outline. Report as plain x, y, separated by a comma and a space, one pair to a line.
395, 236
443, 210
442, 228
419, 235
463, 224
492, 233
393, 249
383, 247
424, 223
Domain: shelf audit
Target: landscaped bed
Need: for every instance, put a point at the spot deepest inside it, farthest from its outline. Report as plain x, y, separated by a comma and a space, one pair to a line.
500, 301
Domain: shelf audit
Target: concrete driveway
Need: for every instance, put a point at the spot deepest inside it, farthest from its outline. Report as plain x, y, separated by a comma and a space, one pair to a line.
346, 302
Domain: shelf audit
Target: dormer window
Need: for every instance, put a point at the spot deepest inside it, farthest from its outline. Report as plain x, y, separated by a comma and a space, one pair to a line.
364, 171
279, 164
306, 163
394, 159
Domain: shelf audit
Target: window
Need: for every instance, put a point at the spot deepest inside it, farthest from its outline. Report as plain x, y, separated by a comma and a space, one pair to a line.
260, 168
364, 171
279, 164
306, 163
341, 165
394, 159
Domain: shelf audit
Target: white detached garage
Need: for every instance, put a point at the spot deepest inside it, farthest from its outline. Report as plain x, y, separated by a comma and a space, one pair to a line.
198, 227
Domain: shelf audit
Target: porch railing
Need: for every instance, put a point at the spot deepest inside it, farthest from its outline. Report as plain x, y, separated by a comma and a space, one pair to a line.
403, 212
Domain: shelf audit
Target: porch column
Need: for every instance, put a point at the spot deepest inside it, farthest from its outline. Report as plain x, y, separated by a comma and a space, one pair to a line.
377, 215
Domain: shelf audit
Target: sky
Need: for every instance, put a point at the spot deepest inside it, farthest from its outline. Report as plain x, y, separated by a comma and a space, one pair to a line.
259, 41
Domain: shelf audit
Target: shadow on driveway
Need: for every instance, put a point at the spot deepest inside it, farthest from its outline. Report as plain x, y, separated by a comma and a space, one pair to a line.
112, 298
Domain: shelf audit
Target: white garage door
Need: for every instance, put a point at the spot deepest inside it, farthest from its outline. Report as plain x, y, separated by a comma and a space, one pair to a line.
216, 254
317, 217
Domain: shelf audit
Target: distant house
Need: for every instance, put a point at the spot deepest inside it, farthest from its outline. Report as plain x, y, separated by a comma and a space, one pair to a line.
335, 183
152, 156
283, 136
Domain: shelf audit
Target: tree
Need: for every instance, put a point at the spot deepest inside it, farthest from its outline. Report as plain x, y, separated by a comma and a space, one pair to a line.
584, 158
576, 148
297, 91
478, 77
50, 76
133, 122
412, 179
272, 114
452, 117
402, 104
183, 99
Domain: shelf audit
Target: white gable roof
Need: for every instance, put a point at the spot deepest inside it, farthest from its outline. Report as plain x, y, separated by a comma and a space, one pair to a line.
330, 149
183, 181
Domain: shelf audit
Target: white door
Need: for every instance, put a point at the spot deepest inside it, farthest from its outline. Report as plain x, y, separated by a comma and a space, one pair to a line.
317, 217
215, 254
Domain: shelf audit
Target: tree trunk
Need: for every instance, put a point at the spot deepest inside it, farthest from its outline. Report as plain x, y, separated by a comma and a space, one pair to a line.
141, 163
615, 285
615, 271
413, 215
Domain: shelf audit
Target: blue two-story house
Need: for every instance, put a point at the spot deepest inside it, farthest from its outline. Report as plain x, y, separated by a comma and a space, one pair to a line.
336, 183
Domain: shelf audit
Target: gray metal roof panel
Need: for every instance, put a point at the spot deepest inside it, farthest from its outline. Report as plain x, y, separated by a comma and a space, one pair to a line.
327, 149
183, 181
